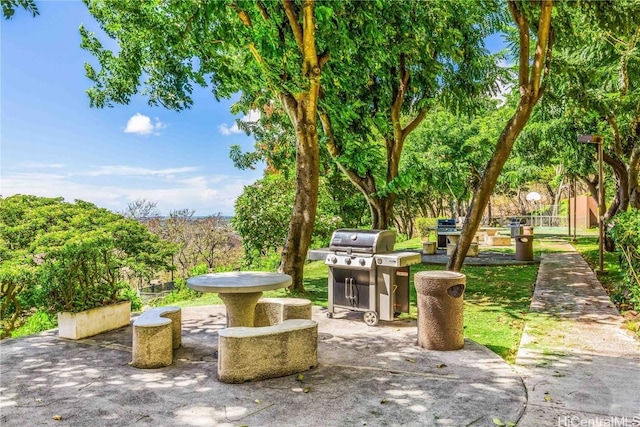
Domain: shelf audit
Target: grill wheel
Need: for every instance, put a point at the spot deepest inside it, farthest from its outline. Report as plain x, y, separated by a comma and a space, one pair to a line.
371, 318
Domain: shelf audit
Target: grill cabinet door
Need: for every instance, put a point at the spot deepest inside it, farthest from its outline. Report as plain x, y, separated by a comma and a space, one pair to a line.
351, 288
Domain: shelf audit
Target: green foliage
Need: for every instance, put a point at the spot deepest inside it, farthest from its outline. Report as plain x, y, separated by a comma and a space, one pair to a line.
199, 269
264, 209
180, 293
17, 291
57, 256
9, 7
262, 214
424, 226
128, 293
37, 322
626, 234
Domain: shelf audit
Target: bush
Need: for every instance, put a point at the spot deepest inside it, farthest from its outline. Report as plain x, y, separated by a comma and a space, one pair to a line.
180, 293
626, 234
38, 322
424, 226
58, 256
132, 295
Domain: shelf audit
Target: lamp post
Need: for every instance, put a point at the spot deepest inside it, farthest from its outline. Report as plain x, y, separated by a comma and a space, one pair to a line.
596, 139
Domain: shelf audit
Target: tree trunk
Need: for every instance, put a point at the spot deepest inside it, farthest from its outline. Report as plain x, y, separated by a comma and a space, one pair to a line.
302, 110
530, 75
381, 211
620, 202
305, 204
634, 170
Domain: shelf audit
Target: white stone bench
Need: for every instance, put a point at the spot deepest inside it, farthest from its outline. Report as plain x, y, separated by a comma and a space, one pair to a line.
471, 252
156, 333
272, 311
429, 248
499, 240
247, 354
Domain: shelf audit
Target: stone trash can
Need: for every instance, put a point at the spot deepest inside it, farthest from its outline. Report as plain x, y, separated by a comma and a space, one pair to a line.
527, 230
524, 247
440, 319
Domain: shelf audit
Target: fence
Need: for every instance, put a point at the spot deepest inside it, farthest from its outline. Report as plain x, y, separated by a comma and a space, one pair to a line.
581, 221
155, 290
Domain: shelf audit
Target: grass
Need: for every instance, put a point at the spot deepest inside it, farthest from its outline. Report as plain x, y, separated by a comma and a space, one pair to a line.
496, 302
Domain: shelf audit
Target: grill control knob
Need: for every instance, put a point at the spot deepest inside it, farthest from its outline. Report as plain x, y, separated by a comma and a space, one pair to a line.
334, 260
378, 260
347, 261
362, 261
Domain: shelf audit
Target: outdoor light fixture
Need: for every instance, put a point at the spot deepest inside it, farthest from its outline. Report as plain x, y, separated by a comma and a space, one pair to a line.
535, 198
596, 139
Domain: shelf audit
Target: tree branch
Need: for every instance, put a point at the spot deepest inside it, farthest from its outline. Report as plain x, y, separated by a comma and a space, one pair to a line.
398, 97
523, 31
539, 59
335, 151
244, 17
547, 65
414, 123
263, 11
611, 119
295, 25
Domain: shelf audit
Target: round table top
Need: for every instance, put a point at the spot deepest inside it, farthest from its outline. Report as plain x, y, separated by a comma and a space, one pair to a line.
239, 282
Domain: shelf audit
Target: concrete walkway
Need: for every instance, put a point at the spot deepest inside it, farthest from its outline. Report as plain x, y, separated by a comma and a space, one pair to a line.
578, 364
367, 376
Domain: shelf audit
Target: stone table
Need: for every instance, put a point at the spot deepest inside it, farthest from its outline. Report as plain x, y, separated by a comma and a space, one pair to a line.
239, 291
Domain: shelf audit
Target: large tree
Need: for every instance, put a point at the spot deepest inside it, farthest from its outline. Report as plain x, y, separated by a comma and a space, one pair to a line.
533, 66
414, 57
599, 83
614, 19
267, 51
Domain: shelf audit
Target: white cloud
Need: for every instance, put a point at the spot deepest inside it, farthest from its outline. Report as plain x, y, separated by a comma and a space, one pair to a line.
36, 165
136, 171
226, 130
207, 195
142, 125
252, 117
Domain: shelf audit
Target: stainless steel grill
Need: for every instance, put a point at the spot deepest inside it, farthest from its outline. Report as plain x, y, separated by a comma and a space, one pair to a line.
444, 226
366, 275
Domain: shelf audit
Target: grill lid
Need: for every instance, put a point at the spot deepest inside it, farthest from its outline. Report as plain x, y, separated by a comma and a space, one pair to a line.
442, 223
364, 241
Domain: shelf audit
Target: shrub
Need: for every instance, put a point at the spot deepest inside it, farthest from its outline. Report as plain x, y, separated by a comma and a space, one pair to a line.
180, 293
425, 226
16, 296
626, 235
38, 322
58, 256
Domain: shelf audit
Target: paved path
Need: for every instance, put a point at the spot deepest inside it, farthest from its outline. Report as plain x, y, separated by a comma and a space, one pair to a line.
579, 366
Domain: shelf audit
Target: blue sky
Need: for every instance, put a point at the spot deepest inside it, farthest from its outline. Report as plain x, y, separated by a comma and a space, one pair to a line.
54, 145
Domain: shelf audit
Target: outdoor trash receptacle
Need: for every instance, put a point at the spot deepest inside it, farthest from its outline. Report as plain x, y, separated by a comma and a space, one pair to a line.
440, 320
524, 248
516, 229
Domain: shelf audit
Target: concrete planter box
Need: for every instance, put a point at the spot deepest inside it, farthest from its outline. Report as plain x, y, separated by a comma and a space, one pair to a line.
91, 322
